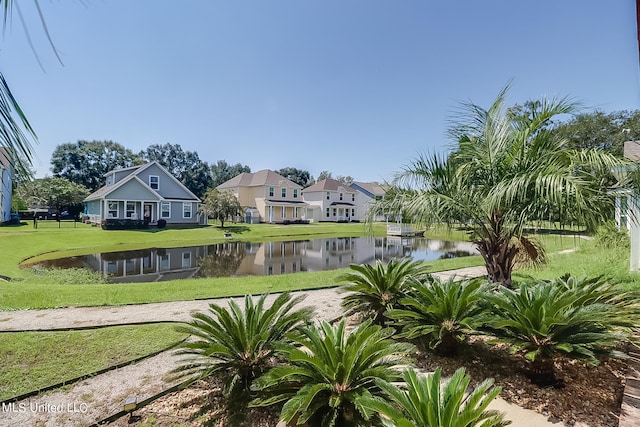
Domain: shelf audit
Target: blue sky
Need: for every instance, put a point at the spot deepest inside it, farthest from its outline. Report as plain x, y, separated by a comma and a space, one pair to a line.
356, 87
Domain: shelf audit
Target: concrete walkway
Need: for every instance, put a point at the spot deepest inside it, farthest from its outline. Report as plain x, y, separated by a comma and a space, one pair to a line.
95, 398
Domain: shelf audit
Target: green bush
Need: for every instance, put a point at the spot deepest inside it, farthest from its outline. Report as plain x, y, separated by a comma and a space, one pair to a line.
609, 236
331, 371
375, 289
123, 224
238, 343
543, 320
443, 312
425, 401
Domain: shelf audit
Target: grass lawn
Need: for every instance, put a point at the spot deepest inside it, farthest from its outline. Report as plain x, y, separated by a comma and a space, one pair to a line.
31, 291
34, 360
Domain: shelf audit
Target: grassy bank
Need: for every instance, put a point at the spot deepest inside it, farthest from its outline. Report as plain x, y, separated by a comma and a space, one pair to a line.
34, 360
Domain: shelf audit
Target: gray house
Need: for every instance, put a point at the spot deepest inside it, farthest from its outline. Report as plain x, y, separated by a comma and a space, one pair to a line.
145, 192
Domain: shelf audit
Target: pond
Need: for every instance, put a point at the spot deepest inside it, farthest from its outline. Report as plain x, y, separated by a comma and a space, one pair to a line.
258, 259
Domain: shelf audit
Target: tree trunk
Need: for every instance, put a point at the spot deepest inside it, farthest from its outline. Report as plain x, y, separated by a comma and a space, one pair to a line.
542, 372
494, 244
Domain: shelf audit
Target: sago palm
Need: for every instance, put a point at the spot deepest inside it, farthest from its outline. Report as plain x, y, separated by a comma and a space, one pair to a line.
376, 289
426, 401
238, 343
545, 320
505, 171
330, 371
443, 312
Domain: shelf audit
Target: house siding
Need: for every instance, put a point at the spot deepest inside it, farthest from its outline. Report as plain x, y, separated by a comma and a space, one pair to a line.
169, 188
5, 194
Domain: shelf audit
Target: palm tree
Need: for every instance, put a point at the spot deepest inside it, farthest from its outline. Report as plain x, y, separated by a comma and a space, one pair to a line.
506, 170
238, 343
331, 371
546, 319
15, 131
424, 401
376, 289
442, 311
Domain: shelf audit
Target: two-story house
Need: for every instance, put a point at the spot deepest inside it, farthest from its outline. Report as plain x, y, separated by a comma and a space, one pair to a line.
270, 196
145, 192
368, 194
333, 200
6, 185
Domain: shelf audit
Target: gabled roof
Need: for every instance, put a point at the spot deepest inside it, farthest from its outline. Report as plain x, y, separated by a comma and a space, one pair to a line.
103, 192
258, 179
329, 185
372, 188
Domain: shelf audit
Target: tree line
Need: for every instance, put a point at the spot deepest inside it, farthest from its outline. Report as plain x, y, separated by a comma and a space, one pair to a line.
84, 163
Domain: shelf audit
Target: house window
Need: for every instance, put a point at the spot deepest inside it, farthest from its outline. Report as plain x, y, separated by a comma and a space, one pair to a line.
295, 212
295, 193
284, 192
131, 209
271, 192
186, 210
154, 182
335, 212
165, 210
112, 209
284, 212
328, 195
340, 196
327, 213
282, 268
353, 212
353, 197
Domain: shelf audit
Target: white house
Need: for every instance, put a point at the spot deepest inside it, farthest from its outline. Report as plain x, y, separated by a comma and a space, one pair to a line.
6, 185
627, 208
332, 200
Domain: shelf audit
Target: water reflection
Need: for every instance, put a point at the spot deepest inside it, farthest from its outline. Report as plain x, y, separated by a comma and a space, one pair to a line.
259, 259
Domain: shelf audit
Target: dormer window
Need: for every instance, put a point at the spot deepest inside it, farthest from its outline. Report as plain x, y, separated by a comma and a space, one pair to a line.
340, 196
284, 192
154, 182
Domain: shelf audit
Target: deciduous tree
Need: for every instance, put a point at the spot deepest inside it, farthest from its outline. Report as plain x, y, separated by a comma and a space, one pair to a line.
186, 166
58, 193
86, 162
220, 205
223, 172
299, 176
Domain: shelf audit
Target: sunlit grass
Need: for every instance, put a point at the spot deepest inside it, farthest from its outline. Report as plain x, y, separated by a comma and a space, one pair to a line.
34, 360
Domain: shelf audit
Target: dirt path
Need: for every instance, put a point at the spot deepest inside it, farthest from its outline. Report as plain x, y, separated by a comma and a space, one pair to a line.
94, 399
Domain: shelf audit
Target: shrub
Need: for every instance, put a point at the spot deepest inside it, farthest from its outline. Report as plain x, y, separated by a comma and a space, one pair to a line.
424, 401
441, 311
546, 319
122, 224
331, 372
162, 223
609, 236
374, 290
238, 344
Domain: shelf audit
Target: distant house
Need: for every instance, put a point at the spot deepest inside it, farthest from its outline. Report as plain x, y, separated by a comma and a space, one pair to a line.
627, 208
145, 192
6, 185
268, 196
368, 194
333, 200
